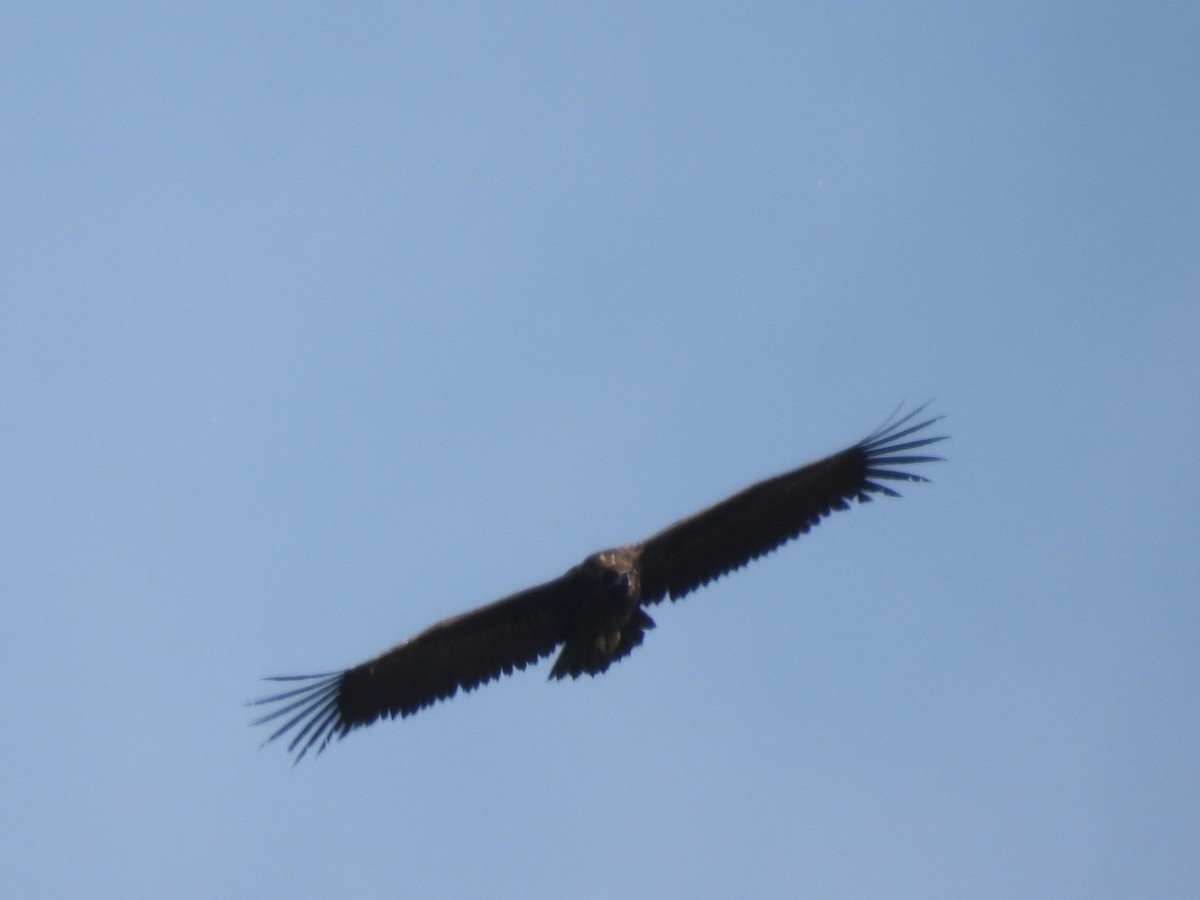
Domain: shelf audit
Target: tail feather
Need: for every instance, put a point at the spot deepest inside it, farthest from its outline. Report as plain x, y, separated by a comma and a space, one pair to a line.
592, 654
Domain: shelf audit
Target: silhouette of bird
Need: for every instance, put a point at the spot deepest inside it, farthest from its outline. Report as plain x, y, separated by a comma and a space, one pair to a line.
596, 611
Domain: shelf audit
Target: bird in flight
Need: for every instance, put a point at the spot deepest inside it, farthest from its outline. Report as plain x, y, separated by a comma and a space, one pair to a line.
596, 611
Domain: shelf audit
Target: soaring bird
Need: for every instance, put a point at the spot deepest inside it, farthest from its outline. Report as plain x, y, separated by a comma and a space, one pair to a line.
596, 611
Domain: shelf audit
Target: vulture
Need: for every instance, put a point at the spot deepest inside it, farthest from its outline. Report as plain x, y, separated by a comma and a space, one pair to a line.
596, 611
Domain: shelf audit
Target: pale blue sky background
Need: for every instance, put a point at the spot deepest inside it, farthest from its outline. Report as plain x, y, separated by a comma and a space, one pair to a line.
322, 322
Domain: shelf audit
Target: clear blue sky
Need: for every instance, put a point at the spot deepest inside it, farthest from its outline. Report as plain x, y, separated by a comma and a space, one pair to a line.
323, 321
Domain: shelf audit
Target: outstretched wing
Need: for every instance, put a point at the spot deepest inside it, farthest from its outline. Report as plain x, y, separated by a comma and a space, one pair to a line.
725, 537
459, 653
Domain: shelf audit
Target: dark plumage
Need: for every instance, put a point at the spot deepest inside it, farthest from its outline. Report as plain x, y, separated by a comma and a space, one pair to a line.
595, 611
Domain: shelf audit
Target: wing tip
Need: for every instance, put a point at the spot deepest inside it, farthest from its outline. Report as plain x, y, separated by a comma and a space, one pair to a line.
893, 427
886, 448
312, 709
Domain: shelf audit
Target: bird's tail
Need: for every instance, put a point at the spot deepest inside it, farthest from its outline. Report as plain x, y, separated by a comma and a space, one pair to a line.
593, 653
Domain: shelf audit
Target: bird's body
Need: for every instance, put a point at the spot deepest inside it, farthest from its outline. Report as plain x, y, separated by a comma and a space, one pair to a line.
596, 610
